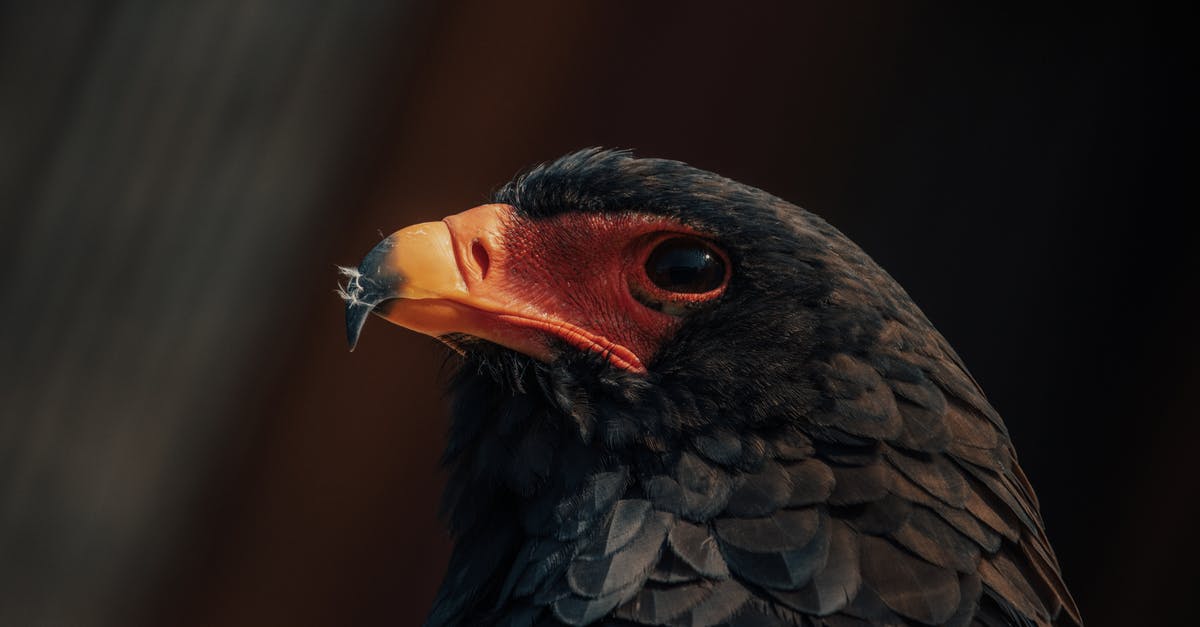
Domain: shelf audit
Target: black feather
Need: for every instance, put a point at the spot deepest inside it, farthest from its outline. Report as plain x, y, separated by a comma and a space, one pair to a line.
595, 576
937, 542
671, 568
580, 512
574, 610
871, 610
861, 403
704, 489
757, 614
812, 482
726, 599
907, 584
1003, 580
720, 446
698, 549
656, 605
970, 526
859, 484
667, 495
934, 473
793, 446
760, 493
781, 551
628, 517
922, 405
880, 517
833, 586
970, 587
537, 559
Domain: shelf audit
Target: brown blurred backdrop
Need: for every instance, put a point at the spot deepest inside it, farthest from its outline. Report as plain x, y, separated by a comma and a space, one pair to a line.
185, 440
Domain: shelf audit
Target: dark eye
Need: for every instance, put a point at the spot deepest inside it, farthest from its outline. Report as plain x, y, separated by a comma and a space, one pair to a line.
685, 265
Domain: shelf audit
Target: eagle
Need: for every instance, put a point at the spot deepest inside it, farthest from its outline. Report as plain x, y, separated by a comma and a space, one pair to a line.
684, 401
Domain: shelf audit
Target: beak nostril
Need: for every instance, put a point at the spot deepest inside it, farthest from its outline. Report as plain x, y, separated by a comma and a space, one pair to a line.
481, 258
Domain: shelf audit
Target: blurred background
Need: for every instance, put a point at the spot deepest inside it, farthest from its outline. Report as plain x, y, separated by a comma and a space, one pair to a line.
185, 440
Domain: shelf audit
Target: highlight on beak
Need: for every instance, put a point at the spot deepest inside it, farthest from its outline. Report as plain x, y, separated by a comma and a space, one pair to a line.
366, 287
413, 264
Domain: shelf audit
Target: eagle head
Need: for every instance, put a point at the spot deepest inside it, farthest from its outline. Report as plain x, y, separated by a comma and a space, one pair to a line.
685, 401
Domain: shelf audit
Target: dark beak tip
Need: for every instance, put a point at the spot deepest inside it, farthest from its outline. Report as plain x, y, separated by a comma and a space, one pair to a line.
356, 317
366, 287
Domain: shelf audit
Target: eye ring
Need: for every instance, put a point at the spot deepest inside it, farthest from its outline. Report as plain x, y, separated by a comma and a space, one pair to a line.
678, 272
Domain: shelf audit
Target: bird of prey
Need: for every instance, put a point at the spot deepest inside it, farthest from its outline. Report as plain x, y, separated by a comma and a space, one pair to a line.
684, 401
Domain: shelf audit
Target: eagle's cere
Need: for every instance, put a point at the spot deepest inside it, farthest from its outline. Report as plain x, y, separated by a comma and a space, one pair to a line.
687, 402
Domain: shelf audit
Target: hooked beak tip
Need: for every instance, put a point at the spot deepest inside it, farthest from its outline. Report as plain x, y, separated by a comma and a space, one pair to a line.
356, 317
366, 286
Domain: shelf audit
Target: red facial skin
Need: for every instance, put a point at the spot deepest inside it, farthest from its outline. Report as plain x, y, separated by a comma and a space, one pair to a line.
572, 277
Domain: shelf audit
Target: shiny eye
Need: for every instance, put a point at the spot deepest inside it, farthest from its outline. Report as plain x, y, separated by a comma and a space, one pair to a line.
685, 265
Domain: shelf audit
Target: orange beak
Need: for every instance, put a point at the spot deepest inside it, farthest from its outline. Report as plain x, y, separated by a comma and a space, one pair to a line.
433, 278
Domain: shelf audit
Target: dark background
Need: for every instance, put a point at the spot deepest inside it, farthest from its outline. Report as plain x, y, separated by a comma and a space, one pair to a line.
185, 439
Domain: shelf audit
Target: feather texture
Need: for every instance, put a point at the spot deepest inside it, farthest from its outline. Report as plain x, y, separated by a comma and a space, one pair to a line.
806, 450
781, 551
